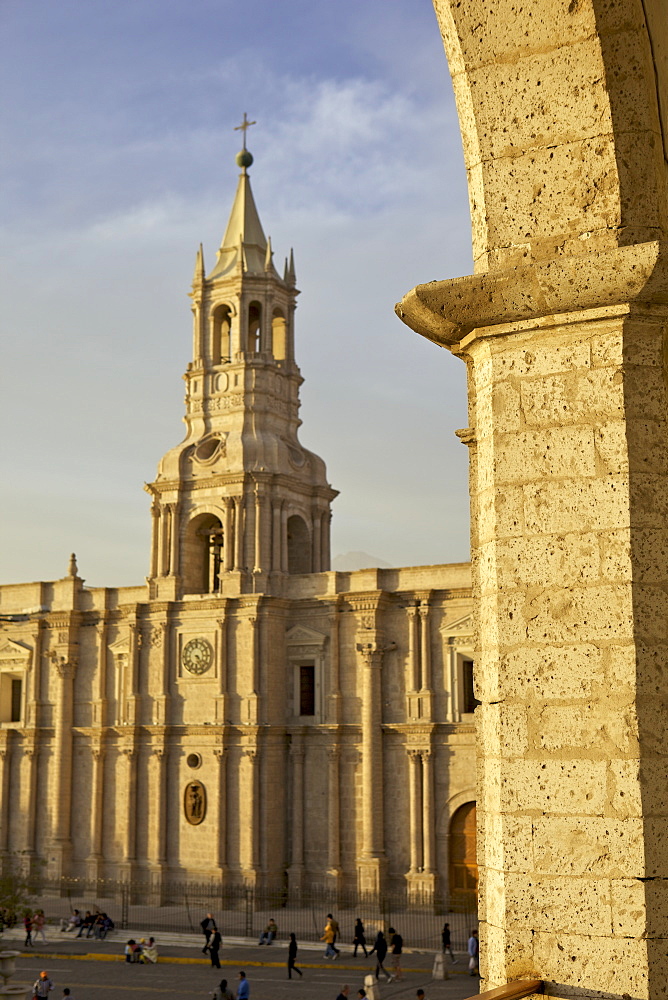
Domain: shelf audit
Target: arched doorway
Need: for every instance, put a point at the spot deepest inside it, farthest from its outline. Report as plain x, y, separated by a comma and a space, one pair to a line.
463, 859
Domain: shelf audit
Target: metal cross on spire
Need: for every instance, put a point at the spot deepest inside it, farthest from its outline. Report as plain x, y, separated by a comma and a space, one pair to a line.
245, 125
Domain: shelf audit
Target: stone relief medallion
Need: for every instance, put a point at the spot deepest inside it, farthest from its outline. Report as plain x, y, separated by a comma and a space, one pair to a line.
197, 656
194, 802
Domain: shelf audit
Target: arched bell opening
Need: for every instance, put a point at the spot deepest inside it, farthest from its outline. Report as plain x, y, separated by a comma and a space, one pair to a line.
299, 545
203, 555
279, 339
254, 328
220, 340
463, 859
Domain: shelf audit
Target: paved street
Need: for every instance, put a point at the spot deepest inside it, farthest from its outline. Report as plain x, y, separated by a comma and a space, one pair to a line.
95, 969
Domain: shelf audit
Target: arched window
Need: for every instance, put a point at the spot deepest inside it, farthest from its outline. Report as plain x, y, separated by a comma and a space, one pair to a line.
279, 338
463, 859
220, 347
203, 555
299, 546
254, 328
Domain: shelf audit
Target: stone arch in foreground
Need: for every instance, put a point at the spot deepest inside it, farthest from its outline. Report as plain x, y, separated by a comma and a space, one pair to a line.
563, 110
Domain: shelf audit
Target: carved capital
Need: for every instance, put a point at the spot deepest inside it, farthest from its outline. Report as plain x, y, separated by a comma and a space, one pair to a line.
65, 666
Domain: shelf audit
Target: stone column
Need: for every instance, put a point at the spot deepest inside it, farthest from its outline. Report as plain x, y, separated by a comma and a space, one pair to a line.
325, 557
415, 810
174, 538
425, 649
95, 860
239, 532
333, 813
249, 828
316, 550
221, 709
222, 809
29, 799
228, 537
157, 830
334, 697
428, 816
160, 641
296, 869
259, 503
126, 811
284, 539
5, 793
133, 671
413, 662
61, 843
100, 691
276, 538
155, 535
164, 540
569, 479
252, 701
371, 861
425, 663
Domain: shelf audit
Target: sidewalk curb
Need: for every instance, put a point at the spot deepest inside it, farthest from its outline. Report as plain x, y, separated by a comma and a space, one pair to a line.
177, 960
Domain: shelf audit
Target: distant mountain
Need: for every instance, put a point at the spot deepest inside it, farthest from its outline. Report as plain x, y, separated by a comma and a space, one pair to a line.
358, 560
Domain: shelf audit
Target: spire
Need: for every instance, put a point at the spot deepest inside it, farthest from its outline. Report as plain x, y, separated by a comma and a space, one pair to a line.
73, 569
291, 274
244, 237
198, 276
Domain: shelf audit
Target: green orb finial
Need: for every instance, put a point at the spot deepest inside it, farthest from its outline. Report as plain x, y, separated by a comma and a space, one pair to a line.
244, 159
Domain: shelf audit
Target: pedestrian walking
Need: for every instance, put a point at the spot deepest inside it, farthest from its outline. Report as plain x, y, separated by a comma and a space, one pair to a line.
420, 995
243, 989
445, 938
396, 948
474, 953
38, 922
292, 955
27, 923
359, 938
343, 995
208, 926
335, 927
67, 994
42, 986
215, 944
328, 938
380, 948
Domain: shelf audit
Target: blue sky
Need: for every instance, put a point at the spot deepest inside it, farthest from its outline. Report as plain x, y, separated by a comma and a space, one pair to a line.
117, 129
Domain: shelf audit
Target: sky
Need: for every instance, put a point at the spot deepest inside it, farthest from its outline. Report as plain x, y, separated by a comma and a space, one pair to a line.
117, 129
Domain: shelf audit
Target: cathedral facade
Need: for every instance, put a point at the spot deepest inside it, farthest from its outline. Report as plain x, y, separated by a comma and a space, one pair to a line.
247, 712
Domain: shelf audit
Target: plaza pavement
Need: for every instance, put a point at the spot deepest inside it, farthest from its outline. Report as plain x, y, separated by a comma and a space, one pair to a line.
96, 969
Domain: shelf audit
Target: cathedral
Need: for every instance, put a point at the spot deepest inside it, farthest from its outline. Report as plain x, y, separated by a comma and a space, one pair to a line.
246, 713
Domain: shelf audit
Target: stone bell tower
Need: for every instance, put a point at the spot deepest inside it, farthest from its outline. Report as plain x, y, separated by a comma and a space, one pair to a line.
239, 503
